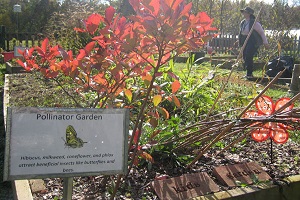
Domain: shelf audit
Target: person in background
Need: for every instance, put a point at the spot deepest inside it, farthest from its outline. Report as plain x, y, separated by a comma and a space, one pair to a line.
256, 39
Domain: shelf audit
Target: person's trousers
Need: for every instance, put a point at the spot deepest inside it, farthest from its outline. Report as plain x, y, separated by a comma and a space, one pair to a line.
248, 55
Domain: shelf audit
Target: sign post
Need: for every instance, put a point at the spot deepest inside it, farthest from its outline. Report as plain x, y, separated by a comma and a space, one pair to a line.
17, 9
58, 142
68, 188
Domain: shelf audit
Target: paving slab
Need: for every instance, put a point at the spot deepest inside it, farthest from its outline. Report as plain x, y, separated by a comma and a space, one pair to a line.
185, 187
240, 174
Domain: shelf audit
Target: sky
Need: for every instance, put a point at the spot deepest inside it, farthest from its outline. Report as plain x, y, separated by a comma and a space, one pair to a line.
290, 2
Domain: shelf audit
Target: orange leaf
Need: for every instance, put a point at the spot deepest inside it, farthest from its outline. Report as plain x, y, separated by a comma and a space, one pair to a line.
164, 112
175, 86
147, 156
147, 79
176, 101
157, 99
100, 79
128, 94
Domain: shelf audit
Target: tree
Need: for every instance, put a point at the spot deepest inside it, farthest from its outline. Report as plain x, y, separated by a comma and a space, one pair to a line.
60, 26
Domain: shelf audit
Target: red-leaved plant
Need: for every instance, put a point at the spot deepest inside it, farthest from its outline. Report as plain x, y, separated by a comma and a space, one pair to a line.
125, 57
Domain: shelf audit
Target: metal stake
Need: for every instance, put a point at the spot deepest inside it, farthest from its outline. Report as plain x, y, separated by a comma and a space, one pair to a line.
271, 152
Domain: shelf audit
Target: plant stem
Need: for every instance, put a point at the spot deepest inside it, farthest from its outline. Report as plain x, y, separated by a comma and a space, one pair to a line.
230, 125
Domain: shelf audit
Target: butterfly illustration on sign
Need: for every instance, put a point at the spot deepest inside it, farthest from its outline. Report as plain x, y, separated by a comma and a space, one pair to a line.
71, 138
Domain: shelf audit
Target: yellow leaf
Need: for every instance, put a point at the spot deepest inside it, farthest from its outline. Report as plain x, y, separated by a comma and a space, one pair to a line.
128, 94
147, 79
279, 47
157, 99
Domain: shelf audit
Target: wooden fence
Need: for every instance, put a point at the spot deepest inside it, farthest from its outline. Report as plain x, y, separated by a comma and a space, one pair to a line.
223, 44
228, 44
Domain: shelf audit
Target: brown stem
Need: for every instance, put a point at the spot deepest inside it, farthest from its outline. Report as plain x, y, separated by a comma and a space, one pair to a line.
117, 185
233, 123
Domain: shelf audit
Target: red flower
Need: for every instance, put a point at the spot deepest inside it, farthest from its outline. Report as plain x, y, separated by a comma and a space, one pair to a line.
266, 107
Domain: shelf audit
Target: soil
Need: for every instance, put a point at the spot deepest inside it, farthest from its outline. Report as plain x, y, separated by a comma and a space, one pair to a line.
284, 160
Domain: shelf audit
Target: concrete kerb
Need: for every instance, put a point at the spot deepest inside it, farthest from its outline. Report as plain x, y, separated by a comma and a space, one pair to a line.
288, 189
21, 188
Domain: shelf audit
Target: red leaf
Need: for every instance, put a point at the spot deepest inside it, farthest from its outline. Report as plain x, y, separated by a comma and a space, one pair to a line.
186, 10
109, 13
171, 74
135, 4
136, 136
79, 30
81, 55
156, 6
89, 47
40, 51
92, 22
44, 45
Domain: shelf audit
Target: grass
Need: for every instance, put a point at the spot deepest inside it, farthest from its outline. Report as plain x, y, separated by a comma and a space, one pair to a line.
238, 88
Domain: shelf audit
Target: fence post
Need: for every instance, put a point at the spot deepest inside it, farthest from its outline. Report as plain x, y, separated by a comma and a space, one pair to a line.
2, 37
295, 82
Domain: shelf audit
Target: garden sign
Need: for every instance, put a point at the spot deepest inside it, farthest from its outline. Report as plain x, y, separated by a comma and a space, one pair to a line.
57, 142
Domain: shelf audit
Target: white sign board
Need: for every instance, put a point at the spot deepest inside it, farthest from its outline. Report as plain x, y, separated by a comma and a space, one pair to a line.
54, 142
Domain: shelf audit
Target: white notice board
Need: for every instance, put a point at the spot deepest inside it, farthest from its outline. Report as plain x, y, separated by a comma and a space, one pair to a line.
58, 142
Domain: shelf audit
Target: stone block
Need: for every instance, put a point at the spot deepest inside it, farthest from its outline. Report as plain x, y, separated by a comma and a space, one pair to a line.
235, 175
184, 187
